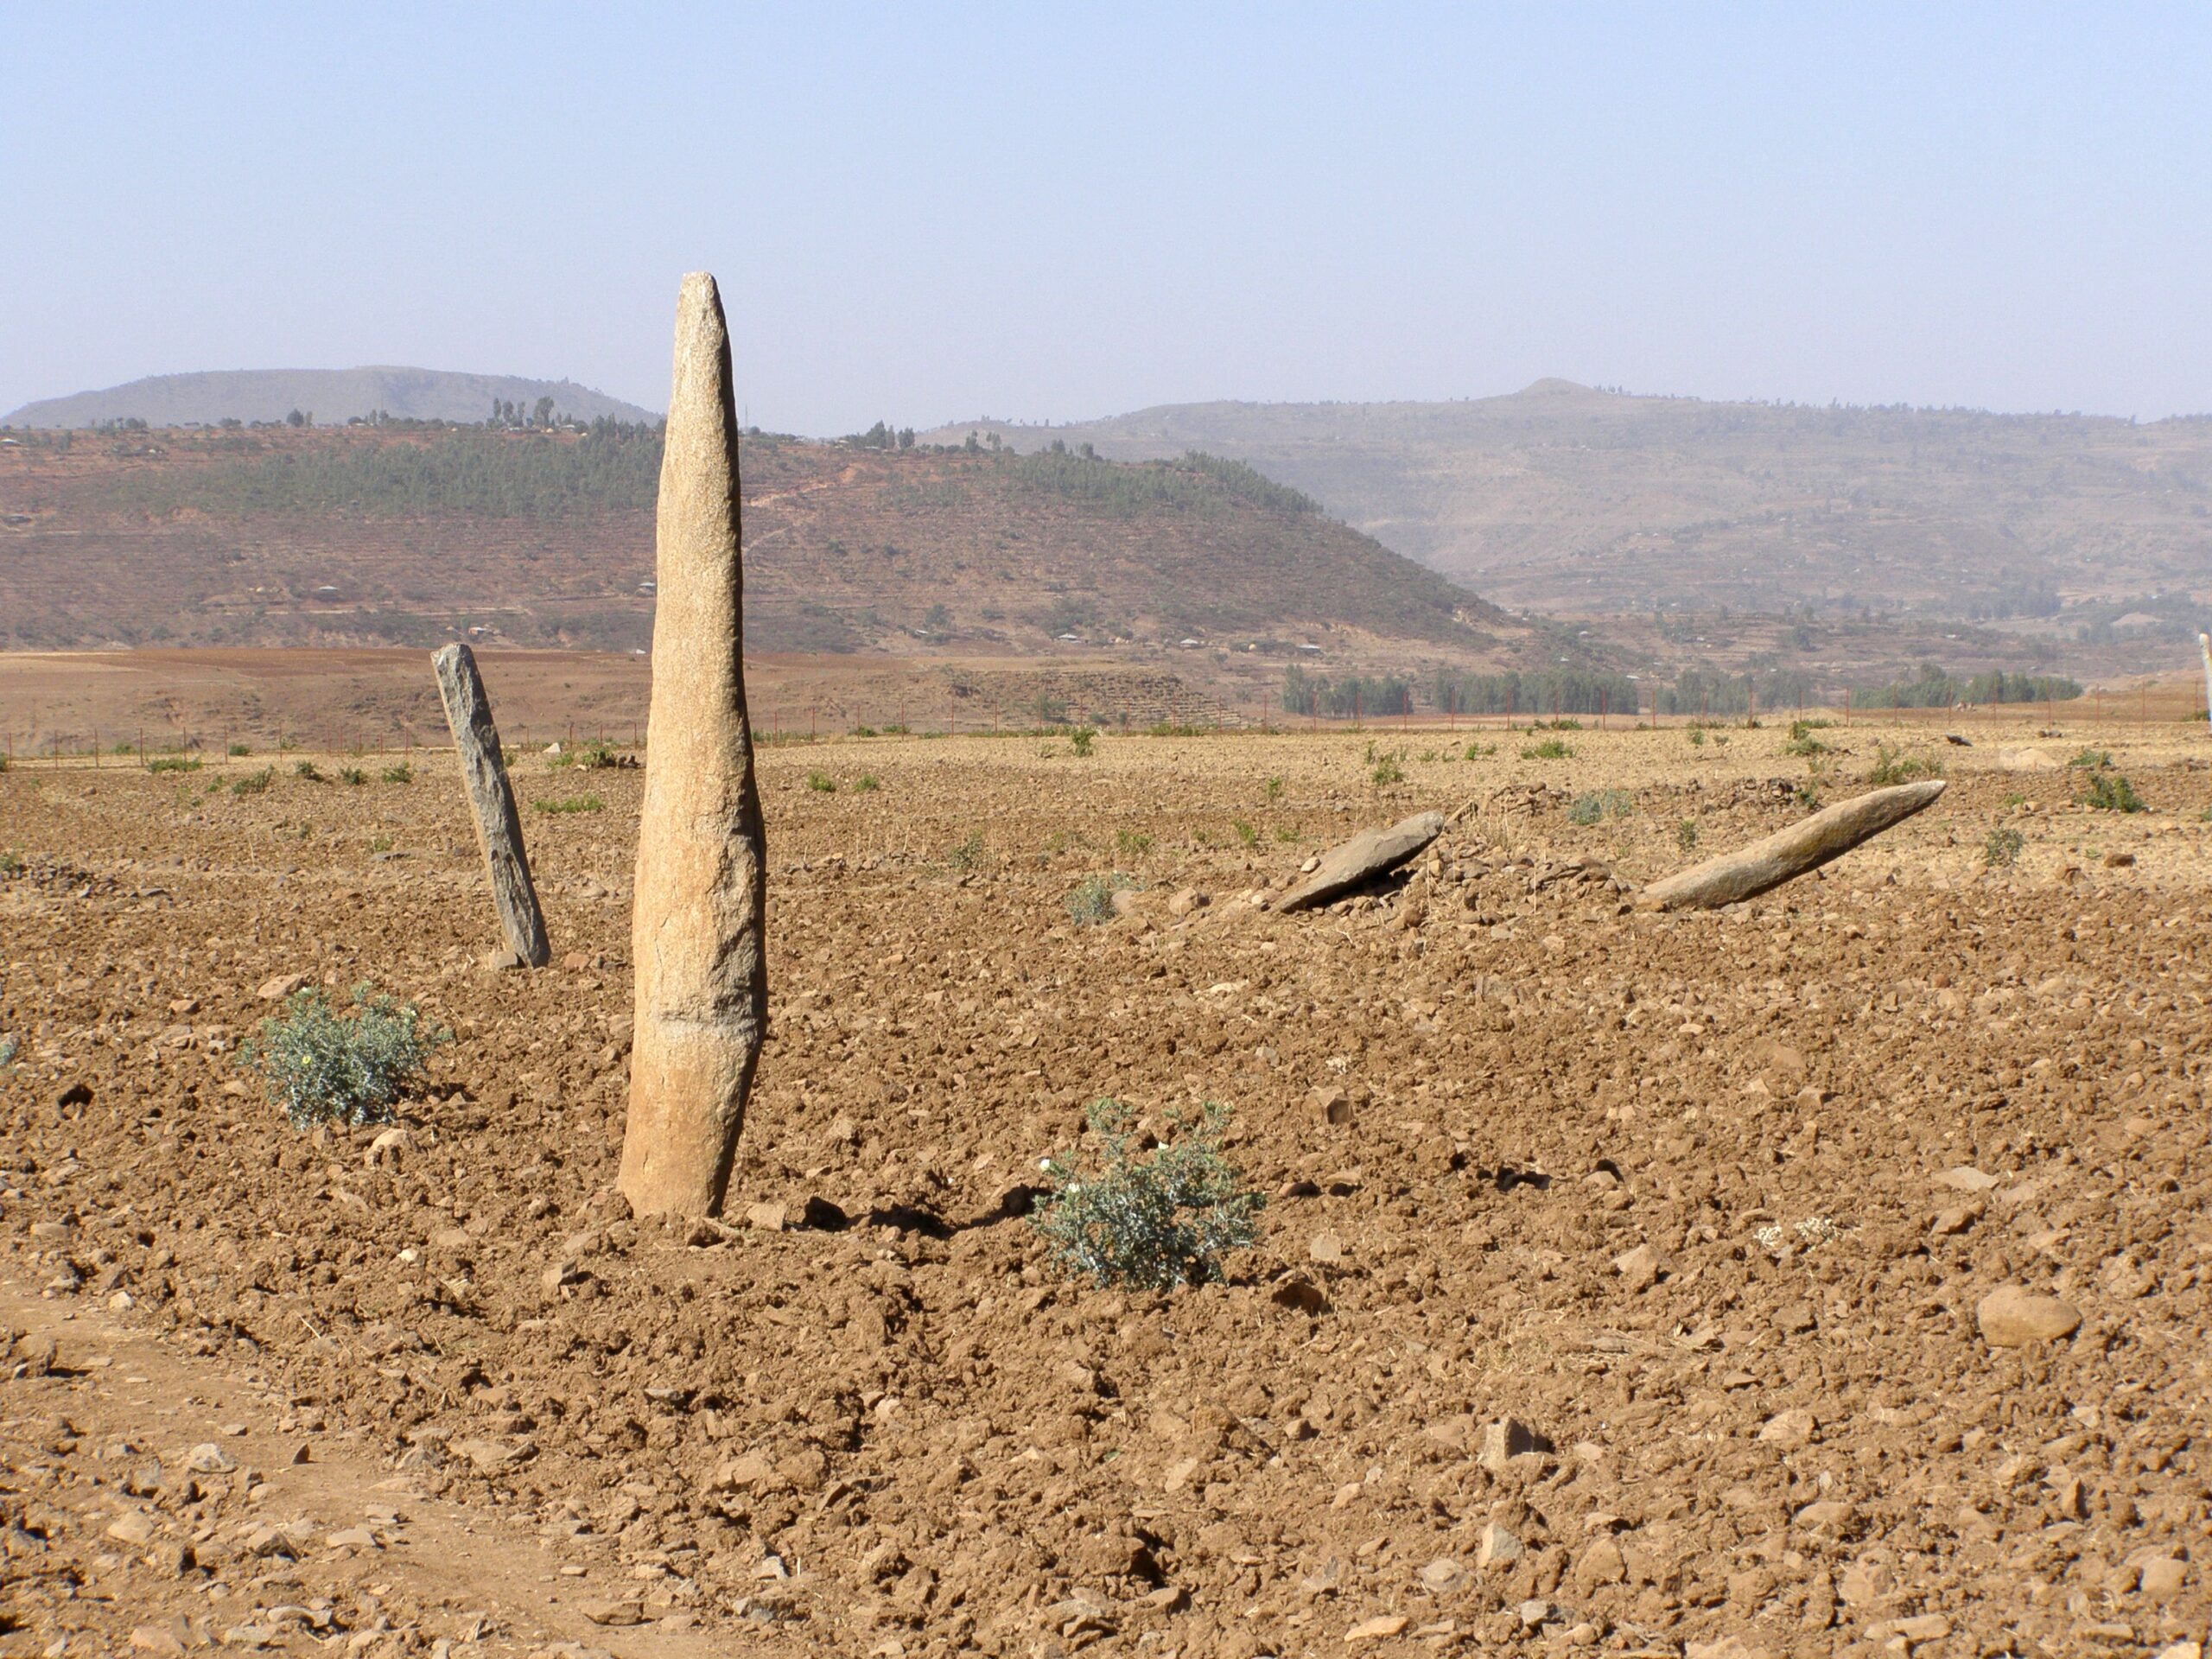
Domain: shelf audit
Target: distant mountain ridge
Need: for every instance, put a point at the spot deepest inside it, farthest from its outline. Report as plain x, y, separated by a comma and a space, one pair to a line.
1572, 500
332, 397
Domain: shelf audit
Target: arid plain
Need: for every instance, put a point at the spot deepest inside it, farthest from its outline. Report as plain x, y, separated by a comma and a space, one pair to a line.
1621, 1286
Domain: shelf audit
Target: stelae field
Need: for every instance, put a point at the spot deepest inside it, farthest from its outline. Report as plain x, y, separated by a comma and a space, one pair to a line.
1623, 1283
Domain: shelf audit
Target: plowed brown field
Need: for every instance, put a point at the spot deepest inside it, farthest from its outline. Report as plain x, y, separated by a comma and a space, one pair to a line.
1705, 1205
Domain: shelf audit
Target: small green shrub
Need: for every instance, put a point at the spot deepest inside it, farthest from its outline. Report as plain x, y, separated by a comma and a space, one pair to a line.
2110, 793
1273, 791
1081, 738
11, 861
8, 1049
1390, 769
1148, 1223
1286, 832
1596, 805
1479, 751
1132, 844
401, 773
2003, 847
1697, 736
352, 775
1092, 902
866, 783
1891, 767
572, 804
239, 751
1801, 741
1550, 749
864, 731
174, 763
1245, 831
2092, 760
969, 854
306, 769
323, 1068
1567, 723
1686, 835
822, 783
254, 783
597, 756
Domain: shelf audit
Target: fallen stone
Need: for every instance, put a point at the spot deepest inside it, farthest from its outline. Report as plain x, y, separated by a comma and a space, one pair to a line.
1365, 856
1326, 1248
1331, 1105
492, 1457
1442, 1574
207, 1458
2162, 1578
1381, 1628
1789, 1429
1600, 1563
1640, 1268
133, 1528
2012, 1317
1964, 1178
1783, 856
1507, 1439
1496, 1544
1190, 899
277, 988
612, 1612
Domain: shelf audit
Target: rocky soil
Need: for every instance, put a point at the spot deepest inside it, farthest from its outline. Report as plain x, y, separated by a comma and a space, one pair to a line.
1828, 1275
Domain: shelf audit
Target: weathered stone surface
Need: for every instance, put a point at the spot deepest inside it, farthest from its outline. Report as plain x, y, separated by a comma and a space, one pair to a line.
2010, 1317
1790, 853
698, 923
1366, 855
490, 802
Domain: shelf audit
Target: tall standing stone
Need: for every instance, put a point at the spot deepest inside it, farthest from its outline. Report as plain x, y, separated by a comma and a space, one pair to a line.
498, 827
698, 922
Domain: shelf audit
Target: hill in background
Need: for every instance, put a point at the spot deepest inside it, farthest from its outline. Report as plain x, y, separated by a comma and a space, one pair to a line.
332, 397
378, 535
1579, 502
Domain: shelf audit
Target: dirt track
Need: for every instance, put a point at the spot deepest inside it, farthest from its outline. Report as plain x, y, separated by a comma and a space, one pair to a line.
1706, 1203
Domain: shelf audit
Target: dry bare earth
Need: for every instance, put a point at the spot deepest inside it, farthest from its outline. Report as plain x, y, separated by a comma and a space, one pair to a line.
1706, 1203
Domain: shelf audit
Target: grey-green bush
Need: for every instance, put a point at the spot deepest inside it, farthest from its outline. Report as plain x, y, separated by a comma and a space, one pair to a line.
1092, 902
1148, 1224
325, 1068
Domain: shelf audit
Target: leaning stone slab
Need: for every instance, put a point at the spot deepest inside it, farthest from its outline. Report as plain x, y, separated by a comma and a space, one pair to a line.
698, 924
1790, 853
499, 826
1366, 855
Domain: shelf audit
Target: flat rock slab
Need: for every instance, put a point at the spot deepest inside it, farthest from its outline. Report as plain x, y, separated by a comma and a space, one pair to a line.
1366, 855
2010, 1317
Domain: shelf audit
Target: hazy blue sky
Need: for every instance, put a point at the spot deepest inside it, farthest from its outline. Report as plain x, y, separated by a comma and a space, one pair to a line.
934, 212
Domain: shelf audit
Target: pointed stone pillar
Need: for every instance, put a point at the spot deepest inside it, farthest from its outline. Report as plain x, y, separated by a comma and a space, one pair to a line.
499, 826
698, 920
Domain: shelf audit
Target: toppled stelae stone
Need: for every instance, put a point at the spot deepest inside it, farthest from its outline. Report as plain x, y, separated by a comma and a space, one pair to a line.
1366, 855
